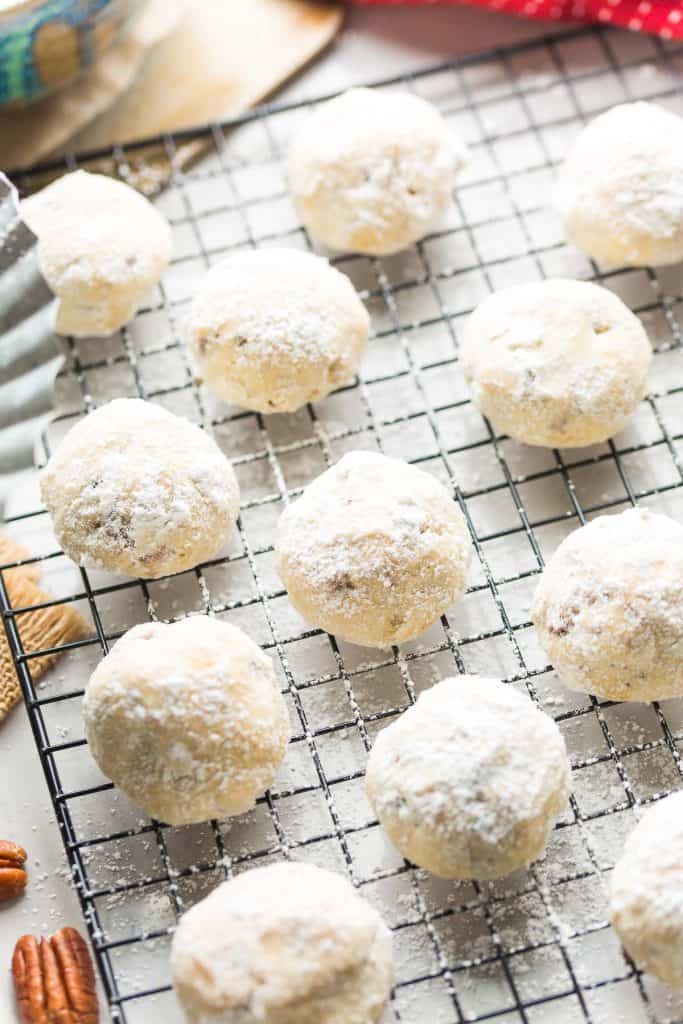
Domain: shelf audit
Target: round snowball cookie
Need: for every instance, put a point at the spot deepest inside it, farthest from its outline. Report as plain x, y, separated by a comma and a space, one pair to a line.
284, 944
646, 890
102, 248
187, 719
373, 171
273, 329
373, 551
557, 363
609, 607
135, 490
467, 783
619, 191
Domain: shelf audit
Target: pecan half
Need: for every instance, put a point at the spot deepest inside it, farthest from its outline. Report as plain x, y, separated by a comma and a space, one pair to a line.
54, 980
13, 877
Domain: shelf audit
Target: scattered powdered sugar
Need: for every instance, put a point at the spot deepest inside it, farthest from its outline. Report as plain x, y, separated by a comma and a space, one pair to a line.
609, 607
135, 489
653, 208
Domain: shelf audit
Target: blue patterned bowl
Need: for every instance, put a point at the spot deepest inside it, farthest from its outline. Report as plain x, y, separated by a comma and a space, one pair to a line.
44, 44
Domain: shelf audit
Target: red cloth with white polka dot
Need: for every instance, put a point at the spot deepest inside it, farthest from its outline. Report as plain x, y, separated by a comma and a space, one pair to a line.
663, 17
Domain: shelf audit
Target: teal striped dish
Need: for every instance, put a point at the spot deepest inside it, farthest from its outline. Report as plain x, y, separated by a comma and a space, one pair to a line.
46, 43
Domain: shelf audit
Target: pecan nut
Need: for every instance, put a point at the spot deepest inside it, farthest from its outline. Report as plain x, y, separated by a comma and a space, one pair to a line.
54, 980
13, 876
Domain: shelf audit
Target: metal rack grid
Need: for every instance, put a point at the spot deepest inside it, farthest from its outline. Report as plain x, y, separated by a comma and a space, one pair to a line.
531, 948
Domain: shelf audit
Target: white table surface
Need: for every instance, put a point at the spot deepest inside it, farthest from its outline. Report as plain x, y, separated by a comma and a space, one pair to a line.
373, 44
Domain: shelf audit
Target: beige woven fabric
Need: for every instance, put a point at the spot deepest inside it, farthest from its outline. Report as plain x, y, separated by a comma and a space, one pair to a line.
46, 627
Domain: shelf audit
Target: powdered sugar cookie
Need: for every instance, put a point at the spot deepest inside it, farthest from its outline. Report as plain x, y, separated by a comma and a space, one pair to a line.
136, 490
187, 719
374, 550
468, 782
273, 329
557, 363
620, 189
102, 248
609, 608
373, 171
284, 944
646, 891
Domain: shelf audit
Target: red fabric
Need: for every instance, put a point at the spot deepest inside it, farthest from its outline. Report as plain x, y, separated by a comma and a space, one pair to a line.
663, 17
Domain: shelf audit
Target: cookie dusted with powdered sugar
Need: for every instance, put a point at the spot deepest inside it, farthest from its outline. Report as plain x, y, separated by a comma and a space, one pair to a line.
620, 188
187, 719
102, 248
646, 891
374, 550
136, 490
373, 171
284, 944
274, 329
469, 780
609, 607
558, 363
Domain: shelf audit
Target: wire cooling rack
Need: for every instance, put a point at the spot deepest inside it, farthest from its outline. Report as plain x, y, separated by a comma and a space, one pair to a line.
535, 947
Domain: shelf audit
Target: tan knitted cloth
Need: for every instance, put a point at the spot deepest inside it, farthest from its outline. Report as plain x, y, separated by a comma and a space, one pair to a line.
46, 627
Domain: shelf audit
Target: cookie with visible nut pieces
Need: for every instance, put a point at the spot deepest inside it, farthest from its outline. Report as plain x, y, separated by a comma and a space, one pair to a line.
375, 550
608, 610
135, 490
